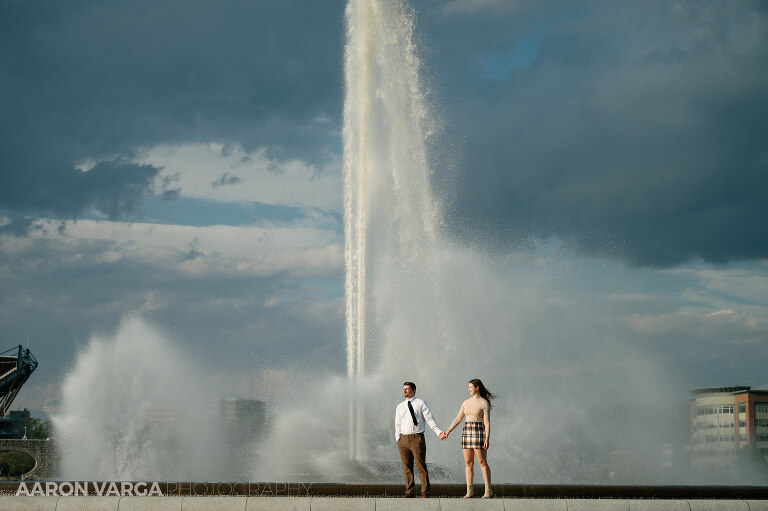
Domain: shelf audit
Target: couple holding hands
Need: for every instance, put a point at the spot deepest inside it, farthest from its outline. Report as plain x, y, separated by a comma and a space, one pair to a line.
413, 414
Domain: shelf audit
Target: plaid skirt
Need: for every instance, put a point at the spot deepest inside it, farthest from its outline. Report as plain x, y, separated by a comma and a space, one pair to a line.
473, 435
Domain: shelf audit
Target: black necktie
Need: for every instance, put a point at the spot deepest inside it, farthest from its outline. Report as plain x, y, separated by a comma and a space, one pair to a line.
413, 414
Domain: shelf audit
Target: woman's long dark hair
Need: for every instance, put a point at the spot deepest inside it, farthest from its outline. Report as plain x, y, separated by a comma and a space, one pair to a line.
484, 393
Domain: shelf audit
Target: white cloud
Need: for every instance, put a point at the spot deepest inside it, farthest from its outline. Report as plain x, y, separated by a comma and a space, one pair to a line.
225, 250
748, 282
737, 326
224, 173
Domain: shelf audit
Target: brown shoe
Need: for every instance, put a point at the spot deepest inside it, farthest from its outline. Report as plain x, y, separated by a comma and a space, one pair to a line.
425, 495
407, 496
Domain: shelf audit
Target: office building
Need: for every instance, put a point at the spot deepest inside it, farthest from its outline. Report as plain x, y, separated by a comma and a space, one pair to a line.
725, 421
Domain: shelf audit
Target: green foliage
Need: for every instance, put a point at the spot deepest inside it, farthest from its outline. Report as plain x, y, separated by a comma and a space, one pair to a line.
39, 429
15, 464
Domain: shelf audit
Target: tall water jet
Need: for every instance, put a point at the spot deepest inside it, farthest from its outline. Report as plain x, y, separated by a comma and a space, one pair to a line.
388, 205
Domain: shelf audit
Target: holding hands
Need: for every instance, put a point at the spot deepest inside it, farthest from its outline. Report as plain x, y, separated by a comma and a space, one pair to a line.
443, 435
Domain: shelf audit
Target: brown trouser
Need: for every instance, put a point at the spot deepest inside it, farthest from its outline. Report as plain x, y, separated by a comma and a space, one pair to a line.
413, 447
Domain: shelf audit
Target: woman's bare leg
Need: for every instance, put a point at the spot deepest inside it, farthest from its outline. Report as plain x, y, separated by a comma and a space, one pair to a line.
484, 468
469, 468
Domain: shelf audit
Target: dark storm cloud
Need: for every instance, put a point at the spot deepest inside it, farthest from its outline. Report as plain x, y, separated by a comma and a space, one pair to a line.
111, 187
636, 130
630, 130
98, 80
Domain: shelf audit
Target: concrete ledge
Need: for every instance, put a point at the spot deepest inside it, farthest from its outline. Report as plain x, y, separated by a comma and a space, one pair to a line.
153, 503
659, 505
85, 503
342, 504
536, 505
719, 505
277, 504
471, 504
96, 503
401, 504
212, 503
597, 505
28, 503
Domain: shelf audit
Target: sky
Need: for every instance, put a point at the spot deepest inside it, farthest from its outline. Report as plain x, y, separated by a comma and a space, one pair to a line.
181, 162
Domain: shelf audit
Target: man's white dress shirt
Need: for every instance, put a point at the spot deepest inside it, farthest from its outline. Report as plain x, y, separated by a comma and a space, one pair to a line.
404, 421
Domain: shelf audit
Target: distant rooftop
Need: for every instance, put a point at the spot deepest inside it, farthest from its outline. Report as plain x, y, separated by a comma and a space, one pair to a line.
719, 390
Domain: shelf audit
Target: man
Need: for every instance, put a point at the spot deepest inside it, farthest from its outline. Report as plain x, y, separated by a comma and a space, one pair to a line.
410, 417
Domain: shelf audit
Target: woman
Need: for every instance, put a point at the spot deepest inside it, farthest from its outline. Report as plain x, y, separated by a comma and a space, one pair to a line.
475, 434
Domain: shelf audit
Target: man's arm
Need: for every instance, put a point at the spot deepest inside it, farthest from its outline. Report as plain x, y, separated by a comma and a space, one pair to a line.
430, 420
397, 423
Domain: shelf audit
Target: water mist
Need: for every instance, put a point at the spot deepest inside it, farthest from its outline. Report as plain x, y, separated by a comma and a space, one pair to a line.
535, 325
133, 409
